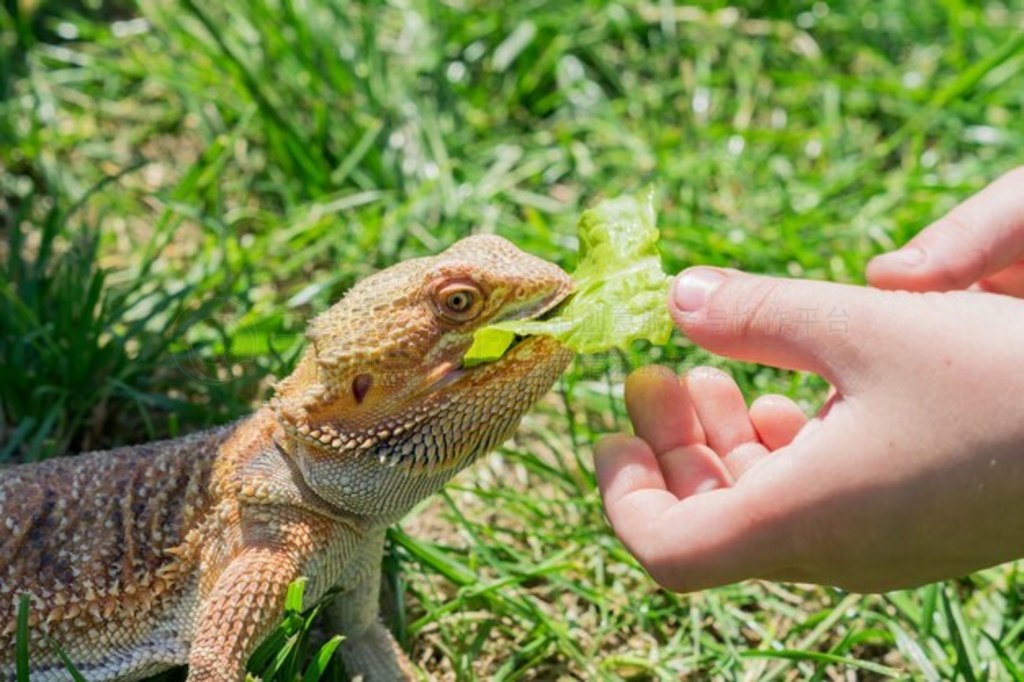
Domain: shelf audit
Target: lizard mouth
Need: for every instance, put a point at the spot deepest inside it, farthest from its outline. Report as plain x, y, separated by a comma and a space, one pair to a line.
449, 372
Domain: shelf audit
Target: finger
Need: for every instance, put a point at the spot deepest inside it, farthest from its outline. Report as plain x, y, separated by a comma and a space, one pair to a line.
743, 457
721, 409
631, 483
1008, 281
777, 420
795, 324
625, 465
693, 469
976, 239
701, 541
661, 410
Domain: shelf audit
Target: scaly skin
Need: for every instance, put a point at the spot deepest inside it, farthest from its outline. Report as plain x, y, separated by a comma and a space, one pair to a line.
146, 557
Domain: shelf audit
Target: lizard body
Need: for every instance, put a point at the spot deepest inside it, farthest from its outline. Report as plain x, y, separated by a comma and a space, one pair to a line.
145, 557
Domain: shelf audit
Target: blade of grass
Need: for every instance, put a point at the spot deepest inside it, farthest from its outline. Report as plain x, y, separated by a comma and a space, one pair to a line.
318, 665
966, 664
21, 662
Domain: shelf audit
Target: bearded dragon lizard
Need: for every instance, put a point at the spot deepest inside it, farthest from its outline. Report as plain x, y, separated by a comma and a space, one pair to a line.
146, 557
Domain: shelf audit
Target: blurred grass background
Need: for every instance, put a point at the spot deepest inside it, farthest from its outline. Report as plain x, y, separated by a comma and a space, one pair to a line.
183, 183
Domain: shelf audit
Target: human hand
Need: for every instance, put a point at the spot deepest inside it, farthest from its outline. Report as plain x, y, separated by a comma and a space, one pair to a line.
979, 244
913, 471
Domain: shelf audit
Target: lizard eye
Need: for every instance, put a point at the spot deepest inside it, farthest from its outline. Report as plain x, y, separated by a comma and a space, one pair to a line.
459, 301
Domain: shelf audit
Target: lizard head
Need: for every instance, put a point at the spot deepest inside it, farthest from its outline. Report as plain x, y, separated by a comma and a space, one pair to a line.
380, 411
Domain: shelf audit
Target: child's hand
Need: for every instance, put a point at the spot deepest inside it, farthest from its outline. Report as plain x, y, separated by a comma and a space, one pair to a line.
913, 471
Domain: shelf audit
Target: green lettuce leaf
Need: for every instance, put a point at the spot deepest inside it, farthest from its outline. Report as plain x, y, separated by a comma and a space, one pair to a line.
620, 288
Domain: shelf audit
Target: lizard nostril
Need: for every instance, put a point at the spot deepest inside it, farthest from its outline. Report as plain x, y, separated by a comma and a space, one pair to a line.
361, 386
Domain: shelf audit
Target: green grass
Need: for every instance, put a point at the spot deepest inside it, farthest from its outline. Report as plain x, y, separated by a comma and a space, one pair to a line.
183, 183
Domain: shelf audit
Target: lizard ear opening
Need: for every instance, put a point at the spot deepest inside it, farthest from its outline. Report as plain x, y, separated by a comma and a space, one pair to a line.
361, 386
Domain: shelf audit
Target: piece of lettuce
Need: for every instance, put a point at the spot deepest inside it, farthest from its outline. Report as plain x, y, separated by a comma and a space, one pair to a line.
620, 288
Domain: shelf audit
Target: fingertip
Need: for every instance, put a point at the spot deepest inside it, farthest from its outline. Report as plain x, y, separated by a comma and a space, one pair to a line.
660, 409
652, 372
645, 381
692, 289
777, 420
919, 269
707, 373
906, 259
721, 408
775, 402
898, 269
703, 381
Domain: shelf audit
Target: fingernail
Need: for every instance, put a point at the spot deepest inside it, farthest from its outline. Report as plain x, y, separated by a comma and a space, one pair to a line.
907, 257
694, 287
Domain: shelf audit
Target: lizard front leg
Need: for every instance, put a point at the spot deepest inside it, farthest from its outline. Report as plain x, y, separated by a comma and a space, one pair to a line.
242, 608
369, 651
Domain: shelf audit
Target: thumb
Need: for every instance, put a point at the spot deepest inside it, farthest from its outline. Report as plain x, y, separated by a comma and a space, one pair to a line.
819, 327
978, 238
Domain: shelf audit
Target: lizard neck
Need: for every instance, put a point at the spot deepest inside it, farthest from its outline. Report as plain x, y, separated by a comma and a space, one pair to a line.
260, 469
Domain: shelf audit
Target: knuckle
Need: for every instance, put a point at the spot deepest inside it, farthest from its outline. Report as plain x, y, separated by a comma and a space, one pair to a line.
957, 222
759, 311
948, 276
971, 255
